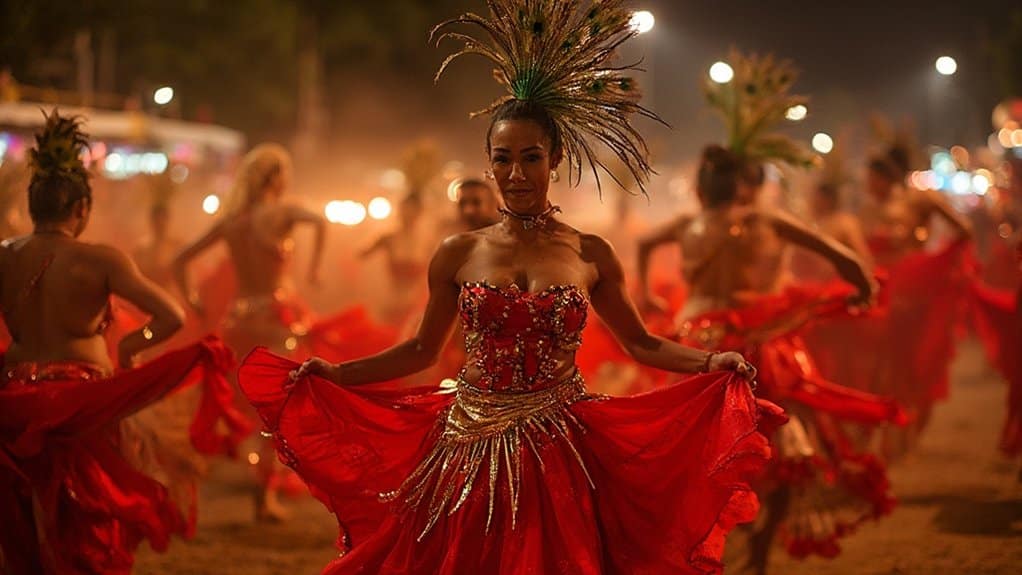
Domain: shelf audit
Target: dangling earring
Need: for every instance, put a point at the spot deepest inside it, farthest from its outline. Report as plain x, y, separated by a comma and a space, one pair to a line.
555, 176
488, 174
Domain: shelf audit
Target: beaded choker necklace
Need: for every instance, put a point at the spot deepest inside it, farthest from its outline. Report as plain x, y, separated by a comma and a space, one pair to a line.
532, 221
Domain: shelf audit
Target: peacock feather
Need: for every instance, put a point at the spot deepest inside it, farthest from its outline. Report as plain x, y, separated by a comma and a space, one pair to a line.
559, 54
753, 103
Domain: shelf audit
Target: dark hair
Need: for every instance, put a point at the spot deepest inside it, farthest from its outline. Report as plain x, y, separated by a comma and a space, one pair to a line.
719, 170
59, 178
524, 110
830, 192
901, 159
473, 183
882, 165
752, 173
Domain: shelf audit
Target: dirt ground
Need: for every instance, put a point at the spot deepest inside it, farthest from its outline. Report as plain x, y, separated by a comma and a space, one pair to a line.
960, 509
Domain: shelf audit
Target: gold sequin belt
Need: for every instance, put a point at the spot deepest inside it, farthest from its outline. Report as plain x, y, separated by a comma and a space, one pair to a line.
489, 430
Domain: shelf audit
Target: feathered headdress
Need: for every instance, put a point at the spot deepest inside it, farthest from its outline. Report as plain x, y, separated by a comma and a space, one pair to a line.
421, 163
752, 103
557, 54
59, 148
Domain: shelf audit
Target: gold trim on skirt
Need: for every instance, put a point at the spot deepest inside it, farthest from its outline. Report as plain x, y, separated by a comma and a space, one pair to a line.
491, 428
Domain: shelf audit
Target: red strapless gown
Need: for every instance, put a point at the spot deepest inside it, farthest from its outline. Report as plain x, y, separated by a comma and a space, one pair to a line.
830, 477
520, 472
71, 502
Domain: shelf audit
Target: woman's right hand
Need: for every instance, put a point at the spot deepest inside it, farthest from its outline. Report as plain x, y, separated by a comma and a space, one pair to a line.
316, 366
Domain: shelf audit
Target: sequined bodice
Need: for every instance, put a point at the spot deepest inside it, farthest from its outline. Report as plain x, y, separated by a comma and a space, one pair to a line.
515, 338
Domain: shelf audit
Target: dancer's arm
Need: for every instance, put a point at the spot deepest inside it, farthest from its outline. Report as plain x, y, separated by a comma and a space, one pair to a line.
855, 239
299, 214
934, 202
423, 349
848, 266
182, 260
609, 298
126, 281
665, 234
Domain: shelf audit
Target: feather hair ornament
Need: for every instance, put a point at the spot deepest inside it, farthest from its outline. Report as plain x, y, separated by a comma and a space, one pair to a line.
558, 54
755, 101
420, 164
59, 148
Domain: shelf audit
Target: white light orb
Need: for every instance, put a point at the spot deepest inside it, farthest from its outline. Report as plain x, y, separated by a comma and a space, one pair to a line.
797, 113
642, 21
211, 204
163, 95
721, 72
960, 183
946, 65
823, 143
379, 208
980, 184
113, 163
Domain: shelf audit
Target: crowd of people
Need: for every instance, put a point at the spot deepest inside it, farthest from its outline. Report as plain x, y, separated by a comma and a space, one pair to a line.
765, 385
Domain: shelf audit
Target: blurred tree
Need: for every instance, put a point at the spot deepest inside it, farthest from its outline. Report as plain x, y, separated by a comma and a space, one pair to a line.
237, 62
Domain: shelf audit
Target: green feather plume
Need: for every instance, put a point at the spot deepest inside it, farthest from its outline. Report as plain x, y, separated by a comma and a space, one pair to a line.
753, 103
59, 149
558, 54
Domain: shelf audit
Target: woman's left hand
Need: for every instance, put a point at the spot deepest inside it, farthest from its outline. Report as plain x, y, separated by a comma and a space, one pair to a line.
732, 361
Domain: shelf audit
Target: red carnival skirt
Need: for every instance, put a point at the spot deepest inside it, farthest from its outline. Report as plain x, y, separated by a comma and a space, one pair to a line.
546, 481
70, 500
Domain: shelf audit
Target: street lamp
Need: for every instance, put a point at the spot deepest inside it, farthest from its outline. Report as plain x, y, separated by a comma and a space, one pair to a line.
823, 143
721, 72
163, 95
797, 113
642, 21
946, 65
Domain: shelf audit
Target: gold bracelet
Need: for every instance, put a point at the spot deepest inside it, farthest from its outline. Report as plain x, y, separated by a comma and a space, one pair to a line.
706, 362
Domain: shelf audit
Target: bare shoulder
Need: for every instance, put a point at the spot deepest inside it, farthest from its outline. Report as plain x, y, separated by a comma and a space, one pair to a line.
454, 250
597, 250
104, 256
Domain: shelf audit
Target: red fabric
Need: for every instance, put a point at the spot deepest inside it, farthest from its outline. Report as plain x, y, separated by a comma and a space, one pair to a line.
349, 334
928, 300
671, 470
767, 331
60, 447
1011, 435
993, 316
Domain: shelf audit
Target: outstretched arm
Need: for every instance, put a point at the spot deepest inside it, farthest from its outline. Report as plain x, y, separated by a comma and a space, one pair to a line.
423, 349
166, 316
299, 214
848, 266
665, 234
934, 202
609, 298
182, 260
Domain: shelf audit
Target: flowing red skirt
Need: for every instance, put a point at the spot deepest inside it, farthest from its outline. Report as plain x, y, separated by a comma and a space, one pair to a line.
827, 473
645, 484
70, 501
928, 301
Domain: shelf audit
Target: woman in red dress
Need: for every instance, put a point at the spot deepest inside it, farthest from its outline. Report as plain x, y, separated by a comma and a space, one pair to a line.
740, 298
258, 227
927, 291
517, 469
71, 499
